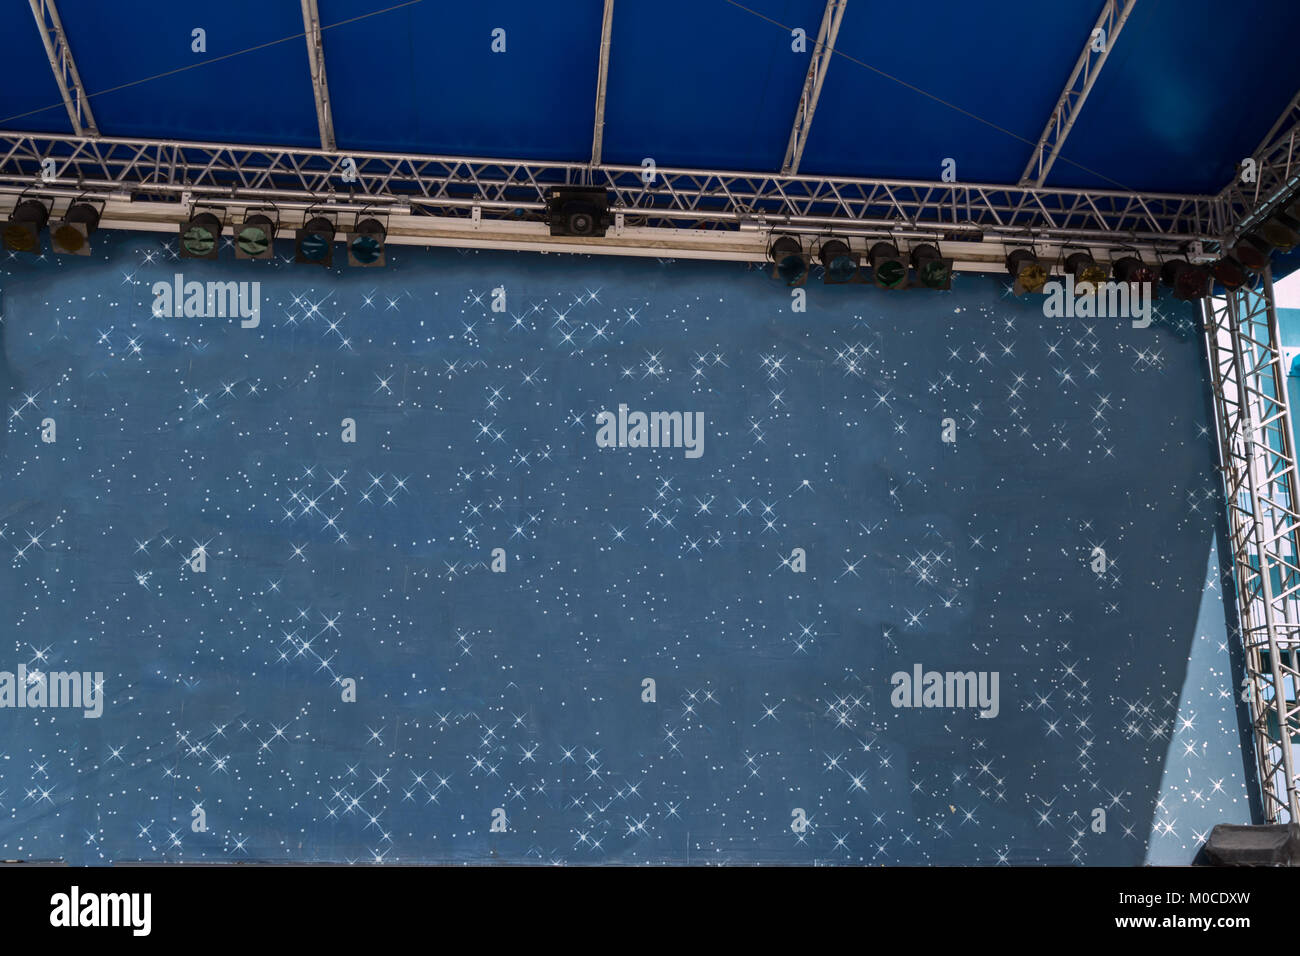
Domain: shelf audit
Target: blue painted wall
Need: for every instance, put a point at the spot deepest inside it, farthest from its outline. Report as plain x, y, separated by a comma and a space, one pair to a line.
522, 690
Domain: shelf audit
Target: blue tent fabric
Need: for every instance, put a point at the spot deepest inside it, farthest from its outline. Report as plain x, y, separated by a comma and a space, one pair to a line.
518, 698
709, 84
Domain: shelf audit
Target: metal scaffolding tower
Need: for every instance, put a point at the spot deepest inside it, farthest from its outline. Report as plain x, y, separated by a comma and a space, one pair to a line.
1257, 455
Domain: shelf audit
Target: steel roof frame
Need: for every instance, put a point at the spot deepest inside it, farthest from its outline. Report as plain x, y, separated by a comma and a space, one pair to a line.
65, 70
1086, 70
602, 82
319, 85
812, 85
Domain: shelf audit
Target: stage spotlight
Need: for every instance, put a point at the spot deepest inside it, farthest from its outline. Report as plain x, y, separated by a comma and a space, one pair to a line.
1281, 232
71, 236
1188, 281
1088, 275
255, 238
577, 211
313, 244
839, 263
1229, 273
1134, 272
932, 270
1252, 254
789, 264
888, 270
366, 244
1029, 274
200, 237
22, 233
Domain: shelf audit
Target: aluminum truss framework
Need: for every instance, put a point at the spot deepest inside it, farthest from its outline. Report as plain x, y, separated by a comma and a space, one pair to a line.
65, 70
812, 85
1275, 172
602, 79
1257, 453
320, 88
142, 170
1086, 70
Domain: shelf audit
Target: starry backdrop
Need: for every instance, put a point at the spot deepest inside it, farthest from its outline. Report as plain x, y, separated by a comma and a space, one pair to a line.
226, 735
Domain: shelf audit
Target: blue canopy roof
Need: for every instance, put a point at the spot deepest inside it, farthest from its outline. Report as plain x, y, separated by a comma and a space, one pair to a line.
1188, 89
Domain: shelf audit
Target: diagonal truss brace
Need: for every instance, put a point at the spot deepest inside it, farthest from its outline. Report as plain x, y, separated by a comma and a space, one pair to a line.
1086, 70
1257, 454
602, 76
316, 57
65, 70
812, 85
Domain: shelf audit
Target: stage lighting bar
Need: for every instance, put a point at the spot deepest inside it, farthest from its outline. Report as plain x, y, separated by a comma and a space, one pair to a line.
410, 225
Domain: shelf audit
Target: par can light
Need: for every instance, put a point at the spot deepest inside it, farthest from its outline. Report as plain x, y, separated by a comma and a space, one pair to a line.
314, 242
1088, 274
200, 237
1029, 274
366, 244
72, 235
255, 238
932, 270
888, 270
839, 262
1229, 273
22, 233
789, 264
1189, 282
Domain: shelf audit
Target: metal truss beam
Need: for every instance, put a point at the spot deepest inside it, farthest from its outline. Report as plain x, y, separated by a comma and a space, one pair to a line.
316, 57
1276, 176
602, 75
812, 85
1077, 88
65, 70
679, 198
1260, 480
